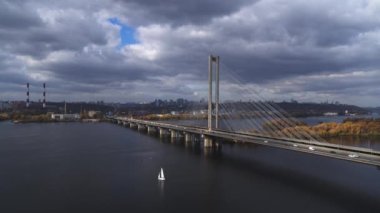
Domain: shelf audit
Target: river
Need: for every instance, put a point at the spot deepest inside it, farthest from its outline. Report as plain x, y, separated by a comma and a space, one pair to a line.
75, 167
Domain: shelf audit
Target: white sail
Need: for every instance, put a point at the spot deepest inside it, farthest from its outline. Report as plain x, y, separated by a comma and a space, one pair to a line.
161, 175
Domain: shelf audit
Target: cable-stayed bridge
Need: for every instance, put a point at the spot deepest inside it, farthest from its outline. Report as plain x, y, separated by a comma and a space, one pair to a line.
257, 121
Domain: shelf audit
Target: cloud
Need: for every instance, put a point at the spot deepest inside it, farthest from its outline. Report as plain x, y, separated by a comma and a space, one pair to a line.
178, 13
14, 17
142, 50
36, 32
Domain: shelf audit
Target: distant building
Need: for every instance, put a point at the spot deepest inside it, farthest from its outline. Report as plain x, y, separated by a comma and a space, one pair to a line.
4, 105
92, 113
330, 114
65, 117
199, 112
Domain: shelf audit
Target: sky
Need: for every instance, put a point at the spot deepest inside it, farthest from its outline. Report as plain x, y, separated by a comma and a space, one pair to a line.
141, 50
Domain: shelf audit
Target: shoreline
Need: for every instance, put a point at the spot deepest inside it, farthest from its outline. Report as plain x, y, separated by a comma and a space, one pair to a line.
57, 121
356, 127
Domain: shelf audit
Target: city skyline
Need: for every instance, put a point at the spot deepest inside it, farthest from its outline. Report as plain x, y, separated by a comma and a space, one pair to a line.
139, 51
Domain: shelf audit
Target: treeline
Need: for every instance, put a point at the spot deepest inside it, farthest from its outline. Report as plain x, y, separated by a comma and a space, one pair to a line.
349, 127
356, 127
32, 118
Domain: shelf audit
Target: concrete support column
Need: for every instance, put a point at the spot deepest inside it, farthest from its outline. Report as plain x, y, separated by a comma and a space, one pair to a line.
210, 60
188, 137
141, 127
151, 129
173, 134
207, 142
163, 132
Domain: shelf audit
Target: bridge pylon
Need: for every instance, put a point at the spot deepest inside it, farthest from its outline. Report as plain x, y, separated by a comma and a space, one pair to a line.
211, 61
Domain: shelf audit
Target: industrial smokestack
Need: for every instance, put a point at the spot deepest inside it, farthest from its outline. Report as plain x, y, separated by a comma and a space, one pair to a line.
44, 96
27, 95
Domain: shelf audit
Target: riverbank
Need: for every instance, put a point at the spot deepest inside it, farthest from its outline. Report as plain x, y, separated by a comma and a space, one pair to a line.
352, 127
4, 117
349, 127
58, 121
32, 118
44, 118
327, 127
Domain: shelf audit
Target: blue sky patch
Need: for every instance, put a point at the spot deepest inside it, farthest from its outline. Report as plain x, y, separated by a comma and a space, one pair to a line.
127, 33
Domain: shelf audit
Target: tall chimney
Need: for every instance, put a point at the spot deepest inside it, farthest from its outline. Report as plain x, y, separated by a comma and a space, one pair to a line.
44, 94
27, 95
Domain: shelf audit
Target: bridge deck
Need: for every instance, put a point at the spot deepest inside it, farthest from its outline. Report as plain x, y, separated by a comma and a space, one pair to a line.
350, 153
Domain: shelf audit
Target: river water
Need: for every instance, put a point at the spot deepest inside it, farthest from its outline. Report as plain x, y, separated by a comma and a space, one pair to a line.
75, 167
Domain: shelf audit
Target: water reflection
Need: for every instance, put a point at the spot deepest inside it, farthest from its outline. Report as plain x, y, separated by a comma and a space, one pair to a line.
161, 188
194, 146
212, 152
189, 144
370, 142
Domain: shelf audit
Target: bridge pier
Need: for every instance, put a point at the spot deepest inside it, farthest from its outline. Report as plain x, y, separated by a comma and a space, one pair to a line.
141, 127
163, 132
151, 129
207, 142
175, 134
197, 138
188, 137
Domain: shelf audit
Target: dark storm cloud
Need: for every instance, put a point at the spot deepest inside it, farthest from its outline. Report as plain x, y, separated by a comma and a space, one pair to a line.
274, 41
22, 30
96, 70
288, 46
15, 15
299, 40
12, 78
180, 12
11, 70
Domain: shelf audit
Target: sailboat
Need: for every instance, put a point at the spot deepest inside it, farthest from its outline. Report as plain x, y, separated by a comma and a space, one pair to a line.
161, 175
